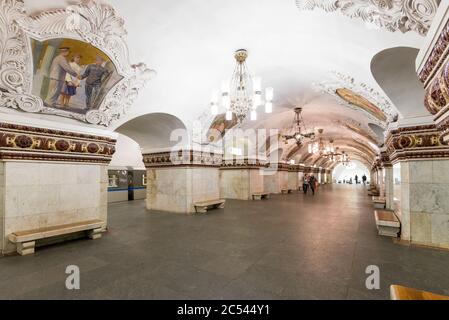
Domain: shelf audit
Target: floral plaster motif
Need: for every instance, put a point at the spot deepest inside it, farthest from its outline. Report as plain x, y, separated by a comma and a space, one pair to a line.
392, 15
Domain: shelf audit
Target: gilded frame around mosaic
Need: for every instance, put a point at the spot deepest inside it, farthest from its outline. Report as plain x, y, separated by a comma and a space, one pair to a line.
89, 22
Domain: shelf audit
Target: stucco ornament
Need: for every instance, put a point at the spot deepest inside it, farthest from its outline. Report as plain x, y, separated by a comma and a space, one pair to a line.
94, 23
392, 15
359, 96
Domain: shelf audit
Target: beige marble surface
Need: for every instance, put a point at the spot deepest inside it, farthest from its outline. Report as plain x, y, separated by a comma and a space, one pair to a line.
275, 181
38, 195
241, 184
2, 204
425, 202
177, 189
293, 180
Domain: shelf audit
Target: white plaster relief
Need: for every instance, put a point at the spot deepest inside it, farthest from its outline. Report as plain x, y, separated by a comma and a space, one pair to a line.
91, 22
392, 15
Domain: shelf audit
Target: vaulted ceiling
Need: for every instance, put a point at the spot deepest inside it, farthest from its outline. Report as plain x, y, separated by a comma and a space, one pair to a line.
319, 59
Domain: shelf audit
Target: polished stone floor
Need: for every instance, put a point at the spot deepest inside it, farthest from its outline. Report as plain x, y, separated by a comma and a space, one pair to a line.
289, 247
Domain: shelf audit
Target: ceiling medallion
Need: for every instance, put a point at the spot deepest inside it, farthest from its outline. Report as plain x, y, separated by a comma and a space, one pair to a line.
392, 15
242, 95
359, 96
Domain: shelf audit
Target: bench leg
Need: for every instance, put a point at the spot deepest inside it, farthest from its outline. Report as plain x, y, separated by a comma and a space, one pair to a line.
201, 209
95, 234
26, 248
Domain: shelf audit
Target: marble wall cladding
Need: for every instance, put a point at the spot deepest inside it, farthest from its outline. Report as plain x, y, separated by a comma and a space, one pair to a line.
293, 182
240, 184
39, 195
177, 189
275, 181
2, 203
425, 202
389, 188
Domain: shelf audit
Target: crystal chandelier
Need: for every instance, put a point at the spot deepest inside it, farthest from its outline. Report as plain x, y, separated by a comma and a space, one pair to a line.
318, 147
243, 94
298, 135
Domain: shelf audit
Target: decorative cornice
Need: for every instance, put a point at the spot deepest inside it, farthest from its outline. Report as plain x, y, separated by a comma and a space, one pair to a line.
39, 144
437, 57
418, 142
393, 15
239, 164
182, 158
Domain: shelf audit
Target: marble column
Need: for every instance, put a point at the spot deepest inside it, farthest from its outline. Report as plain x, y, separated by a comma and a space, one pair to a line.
240, 180
389, 187
276, 178
51, 177
424, 208
176, 180
293, 178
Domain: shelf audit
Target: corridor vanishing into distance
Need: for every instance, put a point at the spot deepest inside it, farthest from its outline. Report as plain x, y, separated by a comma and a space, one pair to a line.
290, 247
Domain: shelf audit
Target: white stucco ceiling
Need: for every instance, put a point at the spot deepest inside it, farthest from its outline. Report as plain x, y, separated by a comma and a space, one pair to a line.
190, 44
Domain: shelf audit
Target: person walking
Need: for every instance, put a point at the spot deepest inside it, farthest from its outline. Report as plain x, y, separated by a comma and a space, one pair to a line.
312, 183
356, 179
305, 184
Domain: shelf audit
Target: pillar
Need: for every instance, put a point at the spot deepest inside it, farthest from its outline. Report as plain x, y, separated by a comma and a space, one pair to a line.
176, 180
276, 178
424, 203
293, 178
389, 187
51, 177
241, 179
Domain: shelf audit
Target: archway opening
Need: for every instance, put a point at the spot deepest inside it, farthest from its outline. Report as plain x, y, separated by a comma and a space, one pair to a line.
354, 170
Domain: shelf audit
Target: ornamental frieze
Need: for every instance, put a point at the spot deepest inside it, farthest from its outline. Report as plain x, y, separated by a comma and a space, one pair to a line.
419, 142
437, 57
229, 164
182, 158
29, 143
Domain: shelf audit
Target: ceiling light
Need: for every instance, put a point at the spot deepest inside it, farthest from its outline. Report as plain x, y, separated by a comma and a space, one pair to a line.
243, 94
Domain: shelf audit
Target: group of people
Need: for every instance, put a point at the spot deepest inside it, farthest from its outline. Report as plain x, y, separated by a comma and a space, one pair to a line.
364, 178
309, 182
65, 78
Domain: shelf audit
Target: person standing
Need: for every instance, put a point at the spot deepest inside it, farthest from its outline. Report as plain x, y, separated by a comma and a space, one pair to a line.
94, 75
305, 184
364, 179
312, 183
58, 71
356, 179
71, 82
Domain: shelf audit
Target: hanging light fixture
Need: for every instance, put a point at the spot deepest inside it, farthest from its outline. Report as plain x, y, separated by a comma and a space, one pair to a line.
318, 147
243, 94
298, 134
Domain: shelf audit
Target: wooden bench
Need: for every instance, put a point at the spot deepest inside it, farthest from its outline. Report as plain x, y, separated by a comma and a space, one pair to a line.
403, 293
26, 240
379, 202
260, 196
202, 207
387, 223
